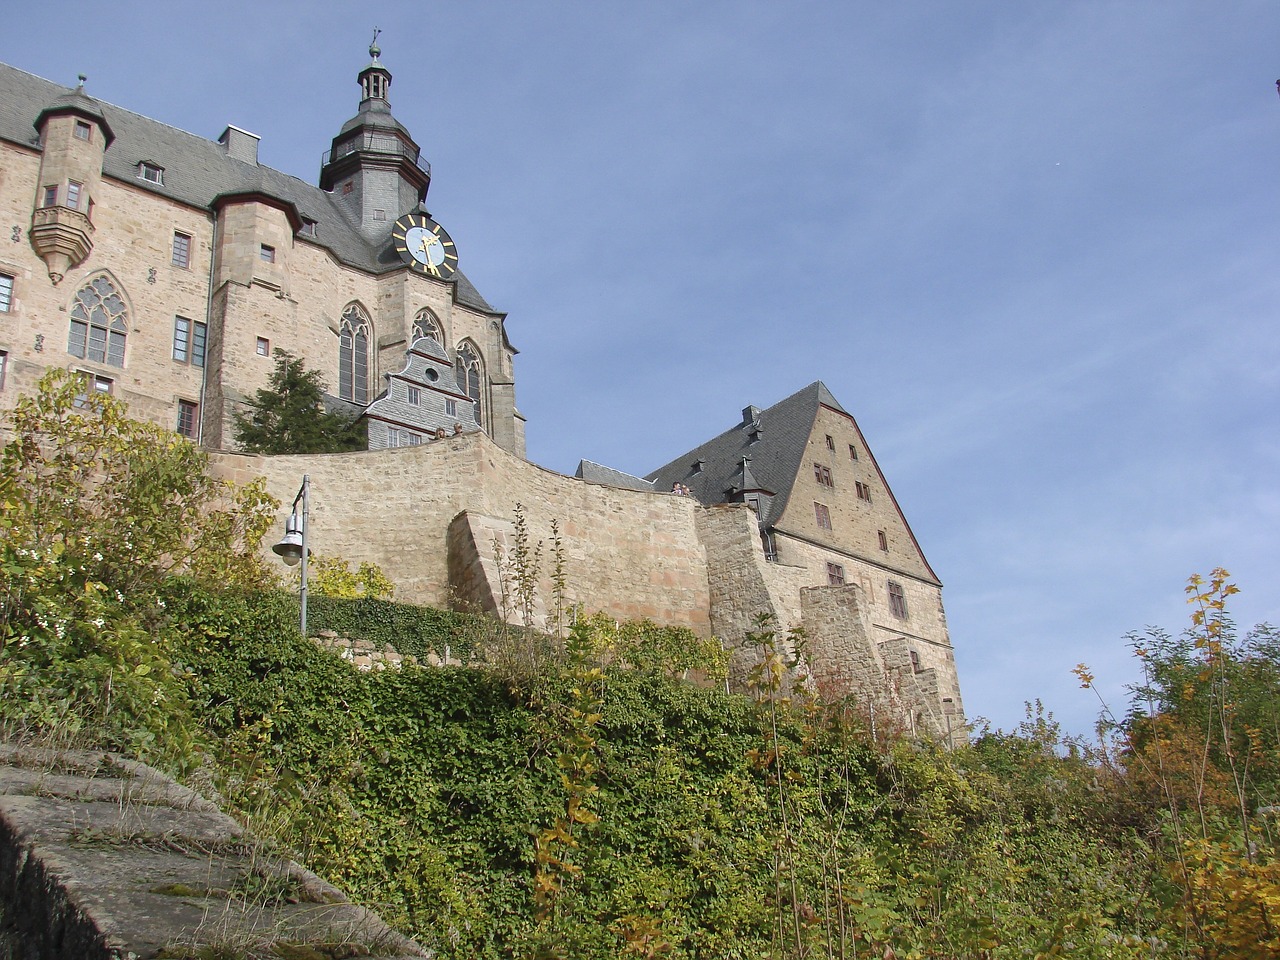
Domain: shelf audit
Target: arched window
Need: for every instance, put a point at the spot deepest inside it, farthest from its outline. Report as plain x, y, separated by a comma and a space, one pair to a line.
353, 355
99, 322
425, 324
469, 373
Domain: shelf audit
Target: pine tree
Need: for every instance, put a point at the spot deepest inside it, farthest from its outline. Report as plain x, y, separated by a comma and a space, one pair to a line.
288, 416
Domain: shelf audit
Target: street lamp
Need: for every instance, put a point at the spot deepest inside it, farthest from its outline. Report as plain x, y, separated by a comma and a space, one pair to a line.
292, 549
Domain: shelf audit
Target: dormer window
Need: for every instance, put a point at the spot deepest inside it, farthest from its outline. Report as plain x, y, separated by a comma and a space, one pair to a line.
308, 229
150, 172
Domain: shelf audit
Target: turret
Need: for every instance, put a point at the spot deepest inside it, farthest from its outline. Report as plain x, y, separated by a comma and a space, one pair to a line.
374, 168
74, 135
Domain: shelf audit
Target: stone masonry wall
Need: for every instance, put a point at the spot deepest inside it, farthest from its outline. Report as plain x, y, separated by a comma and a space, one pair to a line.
629, 553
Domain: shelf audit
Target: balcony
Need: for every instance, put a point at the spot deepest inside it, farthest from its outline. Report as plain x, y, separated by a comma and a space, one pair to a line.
377, 143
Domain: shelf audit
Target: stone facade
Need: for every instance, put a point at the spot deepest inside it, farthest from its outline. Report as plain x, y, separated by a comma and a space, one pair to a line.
216, 261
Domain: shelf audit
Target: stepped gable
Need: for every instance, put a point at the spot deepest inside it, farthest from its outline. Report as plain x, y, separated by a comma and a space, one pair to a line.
771, 441
199, 171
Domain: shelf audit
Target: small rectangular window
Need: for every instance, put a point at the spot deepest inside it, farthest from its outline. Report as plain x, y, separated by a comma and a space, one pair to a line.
50, 197
150, 172
897, 600
190, 338
451, 408
181, 249
915, 663
864, 491
831, 444
853, 452
189, 419
264, 347
267, 253
73, 194
415, 395
822, 474
822, 515
884, 540
393, 437
181, 339
4, 367
83, 130
835, 575
6, 293
308, 228
97, 384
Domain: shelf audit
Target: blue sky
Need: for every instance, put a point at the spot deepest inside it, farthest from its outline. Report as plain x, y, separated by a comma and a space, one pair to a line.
1031, 247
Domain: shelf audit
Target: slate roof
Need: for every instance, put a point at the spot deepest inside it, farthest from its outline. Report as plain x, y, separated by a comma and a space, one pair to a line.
762, 452
197, 171
594, 472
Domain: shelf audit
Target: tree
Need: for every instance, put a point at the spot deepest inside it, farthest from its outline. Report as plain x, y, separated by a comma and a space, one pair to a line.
289, 415
97, 512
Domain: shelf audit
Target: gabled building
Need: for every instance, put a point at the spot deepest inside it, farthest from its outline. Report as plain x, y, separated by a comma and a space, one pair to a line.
827, 518
169, 267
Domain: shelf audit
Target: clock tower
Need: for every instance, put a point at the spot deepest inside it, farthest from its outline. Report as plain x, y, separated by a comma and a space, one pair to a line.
374, 168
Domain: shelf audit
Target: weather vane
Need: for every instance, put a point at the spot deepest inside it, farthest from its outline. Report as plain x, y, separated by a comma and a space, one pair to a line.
373, 44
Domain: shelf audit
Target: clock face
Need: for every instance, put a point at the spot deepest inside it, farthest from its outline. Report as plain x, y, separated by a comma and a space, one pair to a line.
425, 246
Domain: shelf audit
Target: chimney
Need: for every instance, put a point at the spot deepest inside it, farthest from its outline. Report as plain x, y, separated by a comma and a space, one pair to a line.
240, 144
750, 414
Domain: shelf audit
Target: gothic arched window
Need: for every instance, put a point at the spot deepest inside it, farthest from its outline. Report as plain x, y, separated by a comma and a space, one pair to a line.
470, 375
425, 324
99, 323
353, 355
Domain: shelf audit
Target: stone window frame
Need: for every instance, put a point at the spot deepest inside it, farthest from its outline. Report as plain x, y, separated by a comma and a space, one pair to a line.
864, 490
190, 341
897, 600
93, 310
98, 383
835, 575
263, 347
181, 250
883, 537
83, 130
266, 253
468, 367
6, 293
853, 451
74, 190
822, 515
189, 419
831, 443
354, 336
50, 198
822, 474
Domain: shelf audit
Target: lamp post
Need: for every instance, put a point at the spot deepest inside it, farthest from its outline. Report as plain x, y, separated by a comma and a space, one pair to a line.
292, 549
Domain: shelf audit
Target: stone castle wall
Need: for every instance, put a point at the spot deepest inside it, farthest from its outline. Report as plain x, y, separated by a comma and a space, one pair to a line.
440, 520
628, 553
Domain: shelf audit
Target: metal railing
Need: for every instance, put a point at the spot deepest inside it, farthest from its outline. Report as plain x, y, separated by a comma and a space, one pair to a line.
382, 143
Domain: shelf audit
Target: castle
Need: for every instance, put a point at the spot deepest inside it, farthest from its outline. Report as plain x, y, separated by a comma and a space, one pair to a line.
169, 268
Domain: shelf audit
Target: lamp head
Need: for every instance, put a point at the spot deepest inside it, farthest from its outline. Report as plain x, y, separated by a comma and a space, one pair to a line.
289, 549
